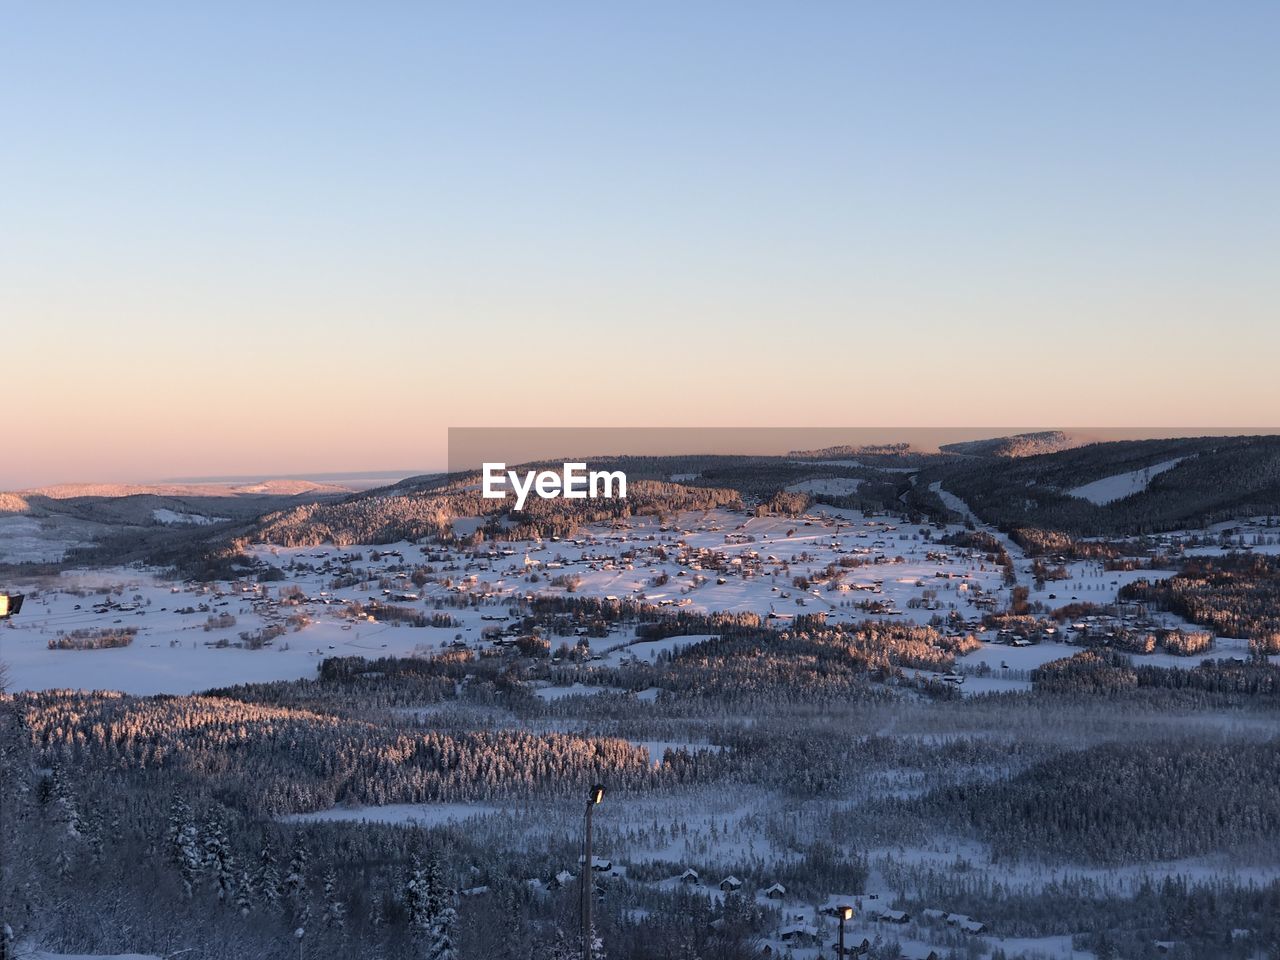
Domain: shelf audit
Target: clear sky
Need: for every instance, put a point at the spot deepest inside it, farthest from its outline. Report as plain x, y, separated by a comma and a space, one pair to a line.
291, 237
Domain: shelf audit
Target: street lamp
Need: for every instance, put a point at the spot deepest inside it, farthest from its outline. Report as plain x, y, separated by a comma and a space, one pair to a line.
844, 912
10, 604
594, 797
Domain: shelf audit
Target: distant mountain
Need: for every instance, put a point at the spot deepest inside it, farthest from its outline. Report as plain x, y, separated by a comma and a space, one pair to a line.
275, 488
1019, 445
854, 450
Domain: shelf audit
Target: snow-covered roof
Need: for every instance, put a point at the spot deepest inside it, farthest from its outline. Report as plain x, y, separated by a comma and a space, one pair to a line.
797, 930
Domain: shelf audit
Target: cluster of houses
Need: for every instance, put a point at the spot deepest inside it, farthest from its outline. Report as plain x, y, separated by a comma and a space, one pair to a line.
807, 927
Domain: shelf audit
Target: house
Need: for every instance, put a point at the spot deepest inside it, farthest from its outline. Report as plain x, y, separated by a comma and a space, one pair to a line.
831, 906
690, 876
730, 884
561, 879
852, 948
967, 924
894, 916
775, 892
798, 933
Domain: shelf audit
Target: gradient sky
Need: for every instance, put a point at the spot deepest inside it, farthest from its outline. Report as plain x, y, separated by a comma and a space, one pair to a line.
285, 238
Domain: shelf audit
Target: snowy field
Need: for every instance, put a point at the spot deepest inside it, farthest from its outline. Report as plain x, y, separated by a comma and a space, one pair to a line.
1121, 485
189, 635
828, 486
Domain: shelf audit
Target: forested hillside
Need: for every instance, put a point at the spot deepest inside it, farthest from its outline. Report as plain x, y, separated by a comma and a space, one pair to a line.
1214, 478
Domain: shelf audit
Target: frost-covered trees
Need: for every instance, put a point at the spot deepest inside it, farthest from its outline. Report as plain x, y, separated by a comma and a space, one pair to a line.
417, 901
330, 758
218, 860
244, 893
432, 917
295, 883
266, 881
182, 840
335, 911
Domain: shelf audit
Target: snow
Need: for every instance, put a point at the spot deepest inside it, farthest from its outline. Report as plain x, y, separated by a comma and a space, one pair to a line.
169, 517
416, 814
648, 650
576, 690
1017, 658
828, 486
24, 540
172, 652
1121, 485
903, 575
1059, 948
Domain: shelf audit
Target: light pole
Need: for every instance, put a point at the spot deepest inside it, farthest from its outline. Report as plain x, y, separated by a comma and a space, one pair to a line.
844, 912
10, 604
593, 798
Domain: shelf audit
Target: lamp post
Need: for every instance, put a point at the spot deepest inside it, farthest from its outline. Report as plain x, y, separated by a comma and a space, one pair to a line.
844, 912
593, 798
10, 604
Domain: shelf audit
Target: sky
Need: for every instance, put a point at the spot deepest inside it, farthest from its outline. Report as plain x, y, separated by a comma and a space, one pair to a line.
287, 238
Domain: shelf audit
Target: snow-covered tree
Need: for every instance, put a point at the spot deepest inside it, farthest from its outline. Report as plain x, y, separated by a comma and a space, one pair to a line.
444, 944
562, 948
295, 882
335, 912
266, 881
218, 860
182, 840
244, 893
417, 900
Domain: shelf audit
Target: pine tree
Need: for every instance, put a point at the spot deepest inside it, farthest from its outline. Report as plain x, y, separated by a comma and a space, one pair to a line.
179, 816
218, 860
182, 840
562, 949
244, 893
295, 883
335, 912
417, 899
266, 882
597, 946
64, 802
444, 944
